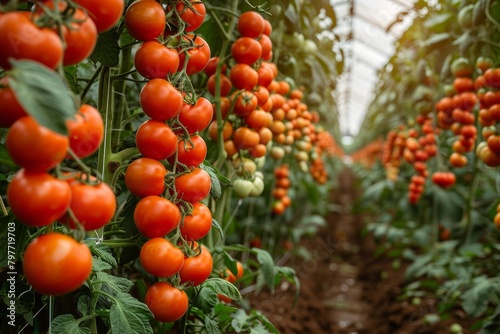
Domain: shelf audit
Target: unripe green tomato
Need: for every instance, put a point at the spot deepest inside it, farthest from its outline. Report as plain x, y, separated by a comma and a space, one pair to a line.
242, 188
257, 187
277, 152
456, 328
260, 162
301, 156
304, 167
259, 175
288, 149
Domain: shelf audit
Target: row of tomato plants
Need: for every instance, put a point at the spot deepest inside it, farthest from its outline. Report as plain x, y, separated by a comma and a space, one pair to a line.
129, 154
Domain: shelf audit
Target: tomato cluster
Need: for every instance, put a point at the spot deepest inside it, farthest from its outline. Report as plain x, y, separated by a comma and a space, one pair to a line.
280, 191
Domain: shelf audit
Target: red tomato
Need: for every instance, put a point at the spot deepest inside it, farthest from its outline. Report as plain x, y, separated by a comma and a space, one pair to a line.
266, 44
105, 14
246, 50
156, 216
156, 140
251, 24
197, 118
199, 55
258, 119
37, 198
246, 102
55, 264
145, 20
243, 77
197, 224
225, 85
193, 18
266, 75
245, 138
194, 186
212, 66
268, 28
10, 108
197, 269
80, 38
145, 177
191, 152
240, 271
166, 302
160, 258
93, 205
35, 147
154, 60
160, 100
21, 39
86, 131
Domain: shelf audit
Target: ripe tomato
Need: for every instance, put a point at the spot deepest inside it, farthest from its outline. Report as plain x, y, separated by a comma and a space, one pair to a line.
35, 147
21, 39
262, 95
154, 60
245, 103
192, 17
266, 75
458, 160
197, 269
267, 46
145, 177
145, 20
156, 140
194, 186
493, 142
156, 216
251, 24
86, 131
245, 138
246, 50
37, 198
160, 100
93, 205
212, 66
80, 38
196, 118
105, 14
10, 108
243, 77
160, 258
197, 224
55, 264
268, 28
191, 153
199, 55
231, 277
225, 85
258, 119
227, 130
166, 302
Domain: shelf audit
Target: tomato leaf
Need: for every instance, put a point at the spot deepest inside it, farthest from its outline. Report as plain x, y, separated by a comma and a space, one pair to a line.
100, 265
128, 315
43, 94
67, 323
107, 49
223, 312
256, 315
211, 326
83, 304
223, 287
102, 252
206, 300
215, 224
21, 237
266, 266
230, 263
290, 275
70, 73
114, 283
215, 189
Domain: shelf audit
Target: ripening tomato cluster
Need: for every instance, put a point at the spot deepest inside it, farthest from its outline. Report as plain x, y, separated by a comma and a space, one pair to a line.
392, 153
444, 179
280, 191
173, 216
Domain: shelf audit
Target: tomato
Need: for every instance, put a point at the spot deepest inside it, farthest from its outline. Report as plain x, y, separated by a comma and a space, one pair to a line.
245, 138
458, 160
494, 112
266, 75
191, 152
197, 118
262, 95
55, 264
145, 20
268, 28
197, 268
35, 147
105, 14
461, 67
21, 39
225, 106
246, 50
192, 17
199, 55
227, 130
246, 102
86, 131
156, 216
197, 224
145, 177
251, 24
93, 205
284, 87
444, 179
225, 85
492, 77
243, 77
154, 60
266, 45
265, 135
80, 37
463, 84
160, 100
258, 119
10, 108
160, 258
166, 302
37, 198
239, 273
489, 158
212, 66
258, 151
193, 186
156, 140
493, 142
230, 148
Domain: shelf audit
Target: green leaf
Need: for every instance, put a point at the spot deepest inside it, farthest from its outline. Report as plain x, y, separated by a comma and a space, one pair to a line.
67, 324
290, 275
475, 300
43, 94
70, 73
264, 321
230, 263
215, 189
266, 266
223, 287
216, 225
223, 313
211, 326
437, 41
102, 252
107, 49
100, 265
113, 283
5, 160
206, 300
83, 304
17, 233
438, 23
128, 315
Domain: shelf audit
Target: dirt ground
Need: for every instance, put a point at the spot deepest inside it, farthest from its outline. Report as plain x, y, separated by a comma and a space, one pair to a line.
345, 288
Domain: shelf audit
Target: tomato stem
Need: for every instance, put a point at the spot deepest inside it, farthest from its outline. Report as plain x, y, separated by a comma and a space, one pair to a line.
104, 106
2, 206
